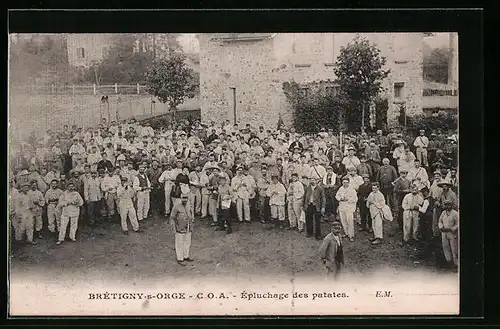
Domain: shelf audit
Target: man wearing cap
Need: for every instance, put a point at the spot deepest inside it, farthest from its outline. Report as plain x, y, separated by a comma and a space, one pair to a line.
109, 185
125, 194
104, 163
168, 178
331, 251
194, 183
38, 202
317, 170
432, 147
402, 187
224, 204
421, 143
241, 191
330, 184
277, 194
92, 197
411, 212
447, 195
295, 200
24, 215
314, 207
142, 186
418, 175
51, 199
378, 212
69, 204
449, 225
347, 198
364, 168
154, 173
181, 223
364, 191
351, 161
452, 177
76, 150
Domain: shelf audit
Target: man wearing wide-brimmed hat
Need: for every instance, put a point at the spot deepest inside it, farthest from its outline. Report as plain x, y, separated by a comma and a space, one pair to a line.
449, 225
421, 143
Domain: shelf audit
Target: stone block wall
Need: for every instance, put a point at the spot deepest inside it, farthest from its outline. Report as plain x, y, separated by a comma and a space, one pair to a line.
257, 69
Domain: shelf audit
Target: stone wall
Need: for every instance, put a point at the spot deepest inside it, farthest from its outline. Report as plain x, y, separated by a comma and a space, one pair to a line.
258, 69
93, 44
246, 66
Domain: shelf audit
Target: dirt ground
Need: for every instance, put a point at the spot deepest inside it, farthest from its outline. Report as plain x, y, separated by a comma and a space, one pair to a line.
250, 249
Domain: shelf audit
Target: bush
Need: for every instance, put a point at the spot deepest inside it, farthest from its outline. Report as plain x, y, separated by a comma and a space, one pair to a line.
444, 121
315, 111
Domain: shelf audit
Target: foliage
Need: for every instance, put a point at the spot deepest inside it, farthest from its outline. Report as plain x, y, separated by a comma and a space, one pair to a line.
381, 108
441, 120
40, 58
360, 72
435, 64
121, 64
172, 81
315, 111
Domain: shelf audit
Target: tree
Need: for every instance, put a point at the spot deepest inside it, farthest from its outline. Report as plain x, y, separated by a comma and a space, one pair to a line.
172, 81
435, 64
360, 72
123, 64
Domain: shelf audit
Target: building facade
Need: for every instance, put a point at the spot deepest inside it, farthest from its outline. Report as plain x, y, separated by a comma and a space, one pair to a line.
241, 75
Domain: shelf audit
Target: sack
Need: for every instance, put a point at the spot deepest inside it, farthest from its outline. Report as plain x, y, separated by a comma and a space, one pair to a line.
386, 213
302, 218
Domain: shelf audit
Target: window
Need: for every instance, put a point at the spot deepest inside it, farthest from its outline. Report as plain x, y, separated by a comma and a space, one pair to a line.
304, 92
80, 53
399, 90
332, 90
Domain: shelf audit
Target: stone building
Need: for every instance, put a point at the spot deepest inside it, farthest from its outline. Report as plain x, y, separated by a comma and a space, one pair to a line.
242, 74
88, 48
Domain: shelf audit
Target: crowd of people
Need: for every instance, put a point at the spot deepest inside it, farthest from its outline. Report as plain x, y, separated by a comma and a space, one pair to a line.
226, 174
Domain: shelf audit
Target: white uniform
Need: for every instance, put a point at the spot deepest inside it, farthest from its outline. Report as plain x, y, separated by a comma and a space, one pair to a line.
125, 196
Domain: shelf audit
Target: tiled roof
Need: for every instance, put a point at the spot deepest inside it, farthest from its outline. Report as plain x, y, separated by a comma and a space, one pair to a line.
243, 36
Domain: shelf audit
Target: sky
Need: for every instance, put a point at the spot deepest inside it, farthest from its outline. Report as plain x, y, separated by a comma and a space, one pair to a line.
190, 44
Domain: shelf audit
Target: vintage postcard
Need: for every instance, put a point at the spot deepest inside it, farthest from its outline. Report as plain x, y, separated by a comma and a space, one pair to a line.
233, 174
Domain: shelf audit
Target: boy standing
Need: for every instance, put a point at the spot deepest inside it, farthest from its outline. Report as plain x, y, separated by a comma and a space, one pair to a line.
331, 252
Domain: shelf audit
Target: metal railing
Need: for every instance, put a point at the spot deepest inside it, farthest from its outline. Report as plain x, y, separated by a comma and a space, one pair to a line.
88, 89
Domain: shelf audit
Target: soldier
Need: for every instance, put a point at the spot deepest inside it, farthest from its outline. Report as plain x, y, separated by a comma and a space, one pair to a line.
277, 193
224, 204
331, 252
51, 199
92, 196
194, 183
448, 225
347, 198
142, 186
125, 194
421, 143
378, 212
402, 186
109, 185
69, 204
38, 201
411, 220
241, 192
262, 198
181, 223
24, 214
295, 199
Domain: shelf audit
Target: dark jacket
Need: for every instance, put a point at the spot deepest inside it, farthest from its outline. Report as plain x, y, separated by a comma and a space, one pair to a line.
318, 195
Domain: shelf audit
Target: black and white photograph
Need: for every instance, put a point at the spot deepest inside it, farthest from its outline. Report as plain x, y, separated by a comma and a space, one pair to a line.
233, 174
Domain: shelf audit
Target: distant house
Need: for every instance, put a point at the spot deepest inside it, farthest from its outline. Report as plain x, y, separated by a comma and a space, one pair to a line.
86, 49
243, 73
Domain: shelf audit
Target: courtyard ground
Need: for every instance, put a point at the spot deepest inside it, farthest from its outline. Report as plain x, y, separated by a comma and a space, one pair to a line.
250, 249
